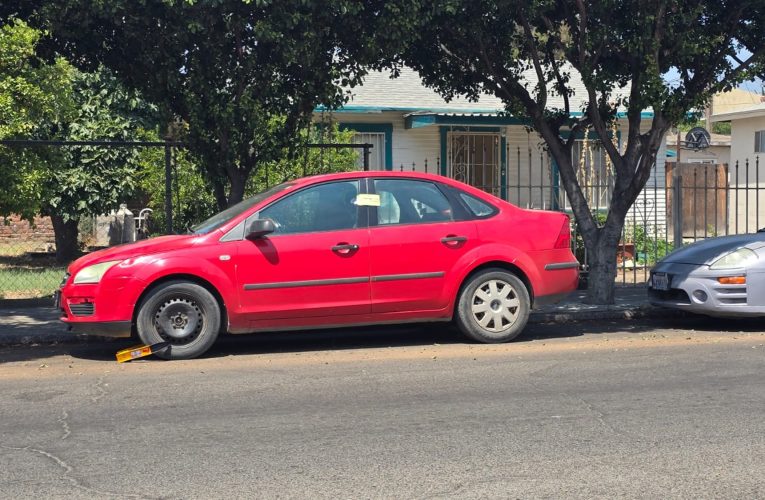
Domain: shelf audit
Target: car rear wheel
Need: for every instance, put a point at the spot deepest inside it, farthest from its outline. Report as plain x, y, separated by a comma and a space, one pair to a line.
184, 314
493, 306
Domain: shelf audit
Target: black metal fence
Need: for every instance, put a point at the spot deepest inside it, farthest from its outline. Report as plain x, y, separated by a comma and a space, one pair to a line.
681, 203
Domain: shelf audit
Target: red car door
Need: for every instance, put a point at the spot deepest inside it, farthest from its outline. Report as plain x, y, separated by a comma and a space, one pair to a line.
315, 264
416, 244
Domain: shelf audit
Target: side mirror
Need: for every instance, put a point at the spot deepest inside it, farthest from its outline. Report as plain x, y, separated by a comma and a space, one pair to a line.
259, 228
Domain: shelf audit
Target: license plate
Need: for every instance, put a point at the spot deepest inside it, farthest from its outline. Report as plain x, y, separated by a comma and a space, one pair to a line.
661, 281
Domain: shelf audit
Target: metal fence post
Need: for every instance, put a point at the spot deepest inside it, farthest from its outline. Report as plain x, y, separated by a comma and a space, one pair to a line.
366, 157
677, 208
168, 188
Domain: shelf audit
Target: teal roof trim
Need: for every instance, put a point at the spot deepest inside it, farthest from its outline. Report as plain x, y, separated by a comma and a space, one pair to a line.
405, 109
425, 120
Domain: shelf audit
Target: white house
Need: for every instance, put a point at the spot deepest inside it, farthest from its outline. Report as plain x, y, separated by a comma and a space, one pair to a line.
746, 173
414, 128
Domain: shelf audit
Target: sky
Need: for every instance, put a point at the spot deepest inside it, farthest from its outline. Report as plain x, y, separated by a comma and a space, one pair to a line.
756, 86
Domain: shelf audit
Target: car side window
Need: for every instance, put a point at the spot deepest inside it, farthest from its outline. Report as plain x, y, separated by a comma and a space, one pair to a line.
326, 207
476, 206
405, 201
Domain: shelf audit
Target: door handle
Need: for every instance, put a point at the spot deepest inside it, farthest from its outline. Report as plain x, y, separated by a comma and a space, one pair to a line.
345, 248
446, 240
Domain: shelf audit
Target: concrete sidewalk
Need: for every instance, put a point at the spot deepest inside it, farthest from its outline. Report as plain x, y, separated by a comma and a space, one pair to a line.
36, 322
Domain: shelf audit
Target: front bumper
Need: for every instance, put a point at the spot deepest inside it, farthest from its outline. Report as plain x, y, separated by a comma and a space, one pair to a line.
696, 289
103, 309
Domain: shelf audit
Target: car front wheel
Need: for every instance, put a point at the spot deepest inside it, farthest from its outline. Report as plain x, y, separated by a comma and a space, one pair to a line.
184, 314
493, 306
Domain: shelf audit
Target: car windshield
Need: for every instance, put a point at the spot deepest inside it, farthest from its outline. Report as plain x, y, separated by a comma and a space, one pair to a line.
231, 212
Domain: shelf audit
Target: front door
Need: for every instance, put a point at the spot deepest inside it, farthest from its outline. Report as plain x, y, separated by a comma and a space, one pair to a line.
316, 263
474, 158
416, 244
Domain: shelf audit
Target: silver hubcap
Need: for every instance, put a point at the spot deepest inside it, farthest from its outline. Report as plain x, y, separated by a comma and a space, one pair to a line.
495, 305
178, 320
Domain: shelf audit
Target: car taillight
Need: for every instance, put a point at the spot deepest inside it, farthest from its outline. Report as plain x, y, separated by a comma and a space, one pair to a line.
564, 237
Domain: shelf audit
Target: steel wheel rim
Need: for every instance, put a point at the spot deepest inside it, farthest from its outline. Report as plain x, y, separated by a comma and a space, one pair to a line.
495, 305
179, 320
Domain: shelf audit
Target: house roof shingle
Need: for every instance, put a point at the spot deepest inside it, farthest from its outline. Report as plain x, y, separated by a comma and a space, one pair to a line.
407, 93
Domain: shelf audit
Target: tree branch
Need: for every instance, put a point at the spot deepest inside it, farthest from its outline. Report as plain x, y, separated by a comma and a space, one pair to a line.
541, 84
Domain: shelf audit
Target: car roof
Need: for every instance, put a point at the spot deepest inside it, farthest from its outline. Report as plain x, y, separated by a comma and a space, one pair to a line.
369, 173
313, 179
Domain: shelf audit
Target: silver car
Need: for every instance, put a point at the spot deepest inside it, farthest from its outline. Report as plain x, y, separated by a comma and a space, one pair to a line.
722, 277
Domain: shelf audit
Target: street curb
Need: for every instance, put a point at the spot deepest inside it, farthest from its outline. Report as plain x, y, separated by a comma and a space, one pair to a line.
610, 313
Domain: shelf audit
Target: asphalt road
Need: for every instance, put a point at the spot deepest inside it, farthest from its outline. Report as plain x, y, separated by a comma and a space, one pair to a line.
629, 410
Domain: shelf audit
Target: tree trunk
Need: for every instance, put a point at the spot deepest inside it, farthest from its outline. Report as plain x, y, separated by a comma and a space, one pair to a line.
600, 281
601, 257
238, 183
65, 234
219, 191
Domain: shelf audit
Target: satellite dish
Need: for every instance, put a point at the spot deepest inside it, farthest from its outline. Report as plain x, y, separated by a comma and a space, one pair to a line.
697, 138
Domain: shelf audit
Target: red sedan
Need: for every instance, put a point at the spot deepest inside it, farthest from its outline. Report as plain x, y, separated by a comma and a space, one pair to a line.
333, 250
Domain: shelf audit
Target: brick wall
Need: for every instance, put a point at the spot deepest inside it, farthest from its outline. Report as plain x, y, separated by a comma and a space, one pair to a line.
13, 228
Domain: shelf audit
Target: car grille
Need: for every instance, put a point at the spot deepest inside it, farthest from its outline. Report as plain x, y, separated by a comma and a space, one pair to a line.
674, 295
84, 309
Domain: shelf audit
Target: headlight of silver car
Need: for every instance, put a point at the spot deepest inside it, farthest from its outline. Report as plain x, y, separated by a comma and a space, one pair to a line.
94, 273
736, 259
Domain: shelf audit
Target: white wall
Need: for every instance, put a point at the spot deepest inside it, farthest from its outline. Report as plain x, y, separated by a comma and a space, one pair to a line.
409, 146
650, 208
717, 154
747, 205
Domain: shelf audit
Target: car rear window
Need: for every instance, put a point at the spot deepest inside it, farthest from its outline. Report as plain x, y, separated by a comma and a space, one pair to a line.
476, 206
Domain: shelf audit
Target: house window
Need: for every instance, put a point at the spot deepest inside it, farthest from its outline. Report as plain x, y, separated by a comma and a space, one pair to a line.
759, 141
594, 172
376, 154
473, 158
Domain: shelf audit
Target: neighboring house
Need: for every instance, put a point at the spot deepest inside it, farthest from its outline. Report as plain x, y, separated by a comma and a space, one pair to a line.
414, 128
718, 151
746, 113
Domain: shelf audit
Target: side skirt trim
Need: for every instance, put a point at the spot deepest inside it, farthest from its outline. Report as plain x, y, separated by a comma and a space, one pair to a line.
295, 284
410, 276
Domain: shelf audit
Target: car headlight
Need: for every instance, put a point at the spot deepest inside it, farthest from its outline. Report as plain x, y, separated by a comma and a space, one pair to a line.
94, 273
738, 258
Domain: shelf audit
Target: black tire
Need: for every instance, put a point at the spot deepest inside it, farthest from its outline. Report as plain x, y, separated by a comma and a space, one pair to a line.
182, 313
503, 307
